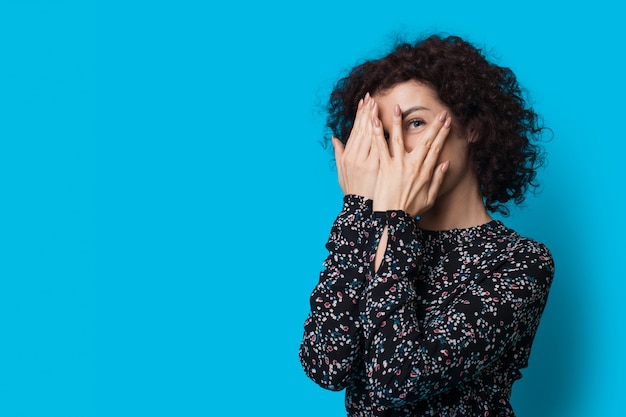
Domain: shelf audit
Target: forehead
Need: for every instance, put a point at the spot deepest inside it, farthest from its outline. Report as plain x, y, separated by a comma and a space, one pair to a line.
408, 93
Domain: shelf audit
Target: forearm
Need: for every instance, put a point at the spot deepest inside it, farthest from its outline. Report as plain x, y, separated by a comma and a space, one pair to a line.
332, 337
390, 327
463, 331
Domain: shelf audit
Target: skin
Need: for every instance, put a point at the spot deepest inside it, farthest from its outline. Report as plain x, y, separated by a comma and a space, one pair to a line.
424, 168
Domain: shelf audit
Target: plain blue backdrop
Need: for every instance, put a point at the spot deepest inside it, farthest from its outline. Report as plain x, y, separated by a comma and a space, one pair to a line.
165, 198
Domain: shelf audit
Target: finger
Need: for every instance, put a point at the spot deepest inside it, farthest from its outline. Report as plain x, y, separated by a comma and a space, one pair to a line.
379, 147
337, 147
436, 146
338, 150
361, 119
423, 147
355, 126
368, 131
436, 181
396, 140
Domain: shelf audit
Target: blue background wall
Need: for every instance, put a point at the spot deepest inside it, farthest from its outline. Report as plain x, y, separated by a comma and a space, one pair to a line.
165, 200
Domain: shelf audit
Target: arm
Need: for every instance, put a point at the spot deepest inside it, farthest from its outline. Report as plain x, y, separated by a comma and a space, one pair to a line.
409, 361
332, 334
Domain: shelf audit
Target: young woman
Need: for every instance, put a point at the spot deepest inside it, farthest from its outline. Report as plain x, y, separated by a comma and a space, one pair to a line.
426, 306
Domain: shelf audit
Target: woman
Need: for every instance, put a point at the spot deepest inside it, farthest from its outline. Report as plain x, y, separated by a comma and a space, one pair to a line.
426, 305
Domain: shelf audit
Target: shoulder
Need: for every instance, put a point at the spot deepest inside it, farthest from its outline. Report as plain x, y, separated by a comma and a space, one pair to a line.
526, 254
517, 243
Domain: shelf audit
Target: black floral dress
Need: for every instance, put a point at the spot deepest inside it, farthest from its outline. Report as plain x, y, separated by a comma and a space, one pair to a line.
441, 329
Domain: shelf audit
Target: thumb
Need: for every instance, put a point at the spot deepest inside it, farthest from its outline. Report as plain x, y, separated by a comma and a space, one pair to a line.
338, 147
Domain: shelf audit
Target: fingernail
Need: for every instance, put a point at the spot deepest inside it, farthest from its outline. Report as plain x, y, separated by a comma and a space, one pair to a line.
360, 104
372, 104
444, 166
376, 122
367, 97
448, 122
396, 110
442, 116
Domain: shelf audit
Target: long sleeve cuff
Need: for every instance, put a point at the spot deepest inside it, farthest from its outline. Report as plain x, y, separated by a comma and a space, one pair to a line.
403, 251
389, 289
353, 228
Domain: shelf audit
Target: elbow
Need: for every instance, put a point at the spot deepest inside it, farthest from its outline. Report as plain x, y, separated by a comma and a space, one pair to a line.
328, 374
391, 390
326, 381
393, 398
389, 397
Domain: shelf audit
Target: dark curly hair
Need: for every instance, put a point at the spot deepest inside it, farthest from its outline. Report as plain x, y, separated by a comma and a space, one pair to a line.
485, 99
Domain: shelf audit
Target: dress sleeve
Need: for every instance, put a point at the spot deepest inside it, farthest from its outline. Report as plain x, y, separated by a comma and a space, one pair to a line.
332, 333
407, 361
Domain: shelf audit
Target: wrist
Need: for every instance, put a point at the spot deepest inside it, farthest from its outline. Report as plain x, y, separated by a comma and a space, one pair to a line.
385, 207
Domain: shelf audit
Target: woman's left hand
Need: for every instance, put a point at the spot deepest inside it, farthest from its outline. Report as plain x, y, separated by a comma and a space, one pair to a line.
409, 181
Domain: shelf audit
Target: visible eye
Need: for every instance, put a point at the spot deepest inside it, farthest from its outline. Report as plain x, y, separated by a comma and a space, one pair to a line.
415, 123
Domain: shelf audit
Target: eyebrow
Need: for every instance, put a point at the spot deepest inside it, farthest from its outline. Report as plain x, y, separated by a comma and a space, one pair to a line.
412, 109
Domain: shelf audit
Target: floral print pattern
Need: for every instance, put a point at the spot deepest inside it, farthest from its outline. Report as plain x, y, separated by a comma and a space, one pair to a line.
442, 328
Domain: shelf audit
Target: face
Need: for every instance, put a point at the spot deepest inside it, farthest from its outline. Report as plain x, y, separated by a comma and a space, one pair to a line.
420, 106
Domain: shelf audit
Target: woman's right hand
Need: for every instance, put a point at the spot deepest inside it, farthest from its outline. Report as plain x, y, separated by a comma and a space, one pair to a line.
358, 161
